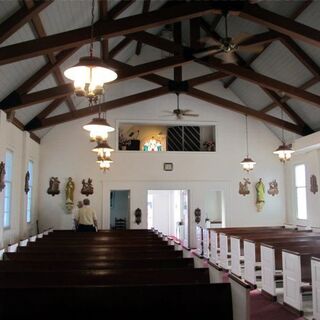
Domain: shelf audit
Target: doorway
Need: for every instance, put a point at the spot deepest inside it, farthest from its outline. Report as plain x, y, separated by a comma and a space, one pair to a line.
119, 209
168, 212
214, 209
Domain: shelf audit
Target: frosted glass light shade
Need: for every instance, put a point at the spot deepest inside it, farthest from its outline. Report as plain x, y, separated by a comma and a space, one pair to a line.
104, 165
89, 76
284, 152
103, 149
99, 129
247, 164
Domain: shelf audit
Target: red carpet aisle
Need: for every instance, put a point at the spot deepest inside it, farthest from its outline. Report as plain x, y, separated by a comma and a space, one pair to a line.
264, 309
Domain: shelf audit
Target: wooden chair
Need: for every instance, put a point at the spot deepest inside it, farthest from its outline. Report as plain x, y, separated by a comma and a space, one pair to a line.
120, 224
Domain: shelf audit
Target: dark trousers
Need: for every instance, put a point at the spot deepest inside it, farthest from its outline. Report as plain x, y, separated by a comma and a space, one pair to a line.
86, 228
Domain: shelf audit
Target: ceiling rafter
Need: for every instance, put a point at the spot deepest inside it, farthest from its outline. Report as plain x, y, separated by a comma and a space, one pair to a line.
285, 98
146, 7
218, 101
43, 72
297, 12
274, 96
177, 35
105, 106
40, 32
281, 24
19, 18
106, 29
264, 81
103, 12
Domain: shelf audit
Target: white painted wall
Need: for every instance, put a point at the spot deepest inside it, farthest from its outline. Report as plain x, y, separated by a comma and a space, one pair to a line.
308, 153
65, 151
24, 149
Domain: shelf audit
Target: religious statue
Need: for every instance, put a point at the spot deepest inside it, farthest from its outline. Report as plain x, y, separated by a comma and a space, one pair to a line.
197, 214
2, 174
313, 184
69, 194
87, 187
138, 215
26, 182
273, 188
260, 195
53, 186
244, 187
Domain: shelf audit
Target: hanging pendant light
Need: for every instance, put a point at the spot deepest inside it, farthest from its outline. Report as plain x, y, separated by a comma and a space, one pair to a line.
99, 128
247, 163
103, 149
284, 151
90, 73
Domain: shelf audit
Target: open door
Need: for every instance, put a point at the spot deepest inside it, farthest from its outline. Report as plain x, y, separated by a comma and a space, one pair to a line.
119, 209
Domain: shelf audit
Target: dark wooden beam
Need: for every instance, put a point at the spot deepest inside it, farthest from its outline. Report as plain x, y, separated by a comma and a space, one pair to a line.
38, 97
206, 78
261, 39
295, 14
218, 101
119, 47
108, 29
177, 36
146, 7
20, 126
40, 32
301, 55
265, 81
305, 86
281, 24
121, 102
120, 7
19, 18
103, 12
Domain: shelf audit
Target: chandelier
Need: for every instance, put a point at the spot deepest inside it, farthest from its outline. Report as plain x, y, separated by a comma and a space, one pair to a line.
247, 163
90, 73
284, 151
99, 128
103, 151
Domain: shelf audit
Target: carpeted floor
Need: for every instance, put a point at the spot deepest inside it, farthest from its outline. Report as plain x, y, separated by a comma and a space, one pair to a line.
264, 309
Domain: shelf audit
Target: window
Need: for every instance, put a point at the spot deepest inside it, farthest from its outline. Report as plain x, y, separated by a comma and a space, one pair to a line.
301, 191
7, 189
29, 195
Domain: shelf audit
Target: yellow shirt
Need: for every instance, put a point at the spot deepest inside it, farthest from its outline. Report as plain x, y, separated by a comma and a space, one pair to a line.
86, 215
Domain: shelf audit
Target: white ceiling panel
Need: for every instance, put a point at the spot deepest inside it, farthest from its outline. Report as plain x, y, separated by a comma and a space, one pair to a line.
48, 82
26, 114
311, 15
8, 8
284, 8
252, 95
279, 63
63, 15
14, 74
63, 108
41, 133
25, 33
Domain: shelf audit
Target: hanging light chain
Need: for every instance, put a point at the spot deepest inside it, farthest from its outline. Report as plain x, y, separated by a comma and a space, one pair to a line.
92, 21
247, 139
282, 134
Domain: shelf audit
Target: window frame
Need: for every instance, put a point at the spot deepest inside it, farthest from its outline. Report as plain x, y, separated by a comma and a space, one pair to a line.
29, 203
8, 186
298, 187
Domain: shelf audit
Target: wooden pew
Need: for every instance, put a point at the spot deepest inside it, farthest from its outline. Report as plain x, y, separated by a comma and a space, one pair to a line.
297, 275
182, 300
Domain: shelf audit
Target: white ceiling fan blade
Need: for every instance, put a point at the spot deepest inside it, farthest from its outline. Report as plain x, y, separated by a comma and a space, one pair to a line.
230, 57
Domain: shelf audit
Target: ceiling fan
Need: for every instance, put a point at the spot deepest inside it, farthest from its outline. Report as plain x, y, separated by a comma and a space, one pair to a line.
226, 47
179, 113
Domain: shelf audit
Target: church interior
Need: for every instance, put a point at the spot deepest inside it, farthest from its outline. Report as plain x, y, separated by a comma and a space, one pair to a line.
191, 126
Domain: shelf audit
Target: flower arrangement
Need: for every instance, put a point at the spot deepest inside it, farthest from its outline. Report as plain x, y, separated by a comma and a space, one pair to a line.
209, 145
123, 141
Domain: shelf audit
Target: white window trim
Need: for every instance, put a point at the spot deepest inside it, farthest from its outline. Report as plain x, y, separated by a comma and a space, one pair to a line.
303, 220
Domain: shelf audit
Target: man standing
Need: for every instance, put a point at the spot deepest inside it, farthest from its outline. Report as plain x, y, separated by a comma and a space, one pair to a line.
86, 218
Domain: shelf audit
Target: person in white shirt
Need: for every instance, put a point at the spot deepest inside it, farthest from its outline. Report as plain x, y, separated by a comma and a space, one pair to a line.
86, 218
75, 214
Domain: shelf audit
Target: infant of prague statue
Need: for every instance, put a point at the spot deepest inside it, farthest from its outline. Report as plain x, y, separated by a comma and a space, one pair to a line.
260, 195
152, 145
